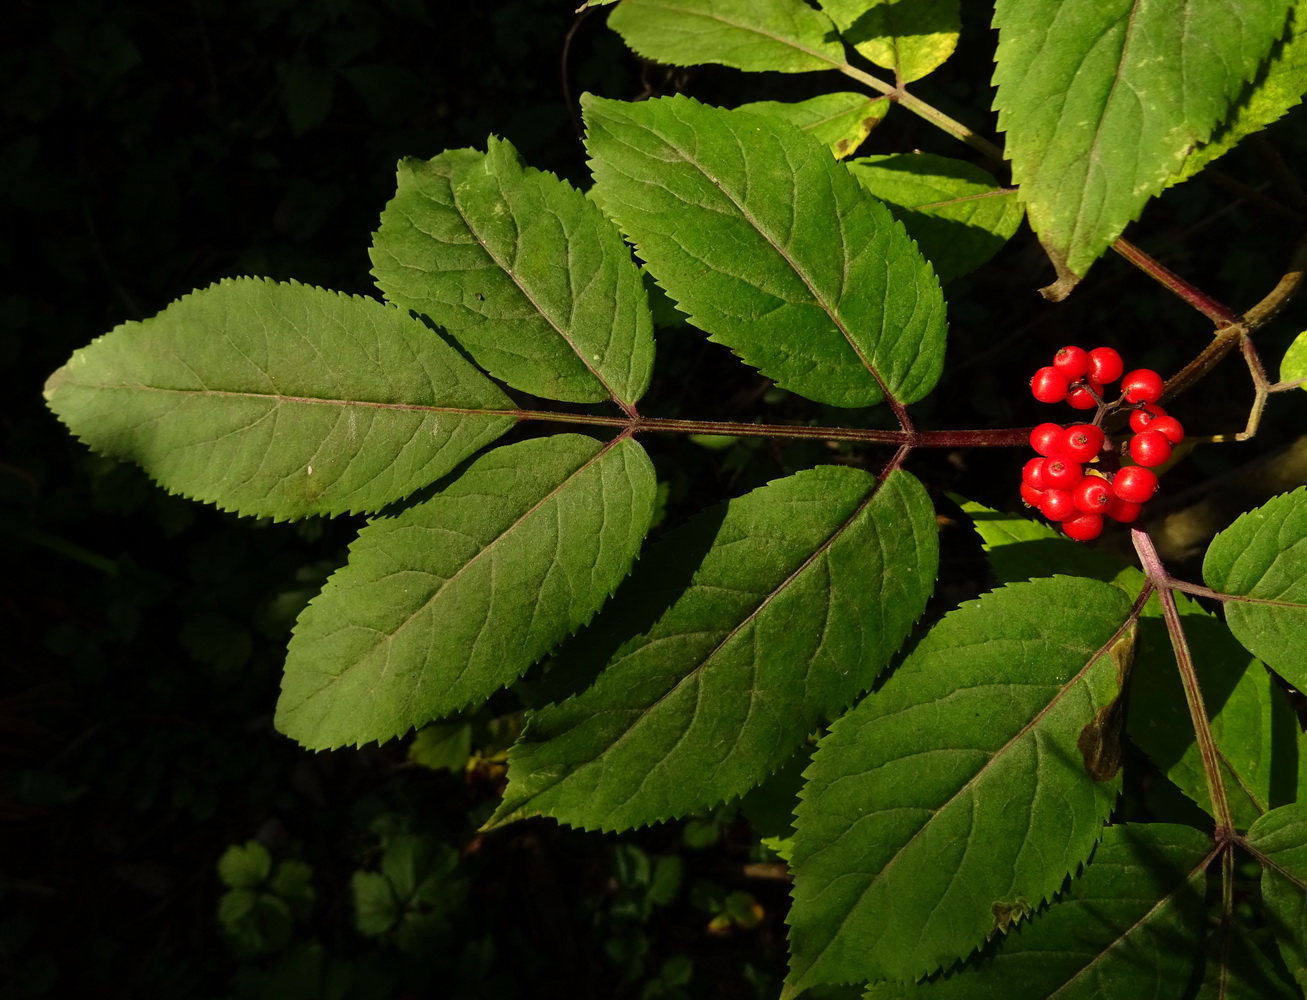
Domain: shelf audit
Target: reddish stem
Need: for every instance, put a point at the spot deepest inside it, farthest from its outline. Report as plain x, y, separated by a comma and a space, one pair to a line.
1218, 313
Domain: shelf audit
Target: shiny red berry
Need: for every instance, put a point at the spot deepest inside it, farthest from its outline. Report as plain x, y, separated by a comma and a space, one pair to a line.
1083, 398
1124, 511
1062, 474
1057, 505
1049, 385
1083, 528
1140, 419
1081, 442
1105, 365
1033, 474
1150, 448
1093, 495
1135, 483
1169, 427
1073, 362
1047, 439
1030, 495
1143, 385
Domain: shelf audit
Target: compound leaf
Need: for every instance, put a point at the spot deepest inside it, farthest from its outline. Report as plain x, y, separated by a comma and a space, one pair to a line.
1130, 926
956, 211
801, 591
1279, 841
910, 38
1103, 101
960, 790
280, 400
1261, 560
841, 120
771, 246
457, 596
522, 270
785, 36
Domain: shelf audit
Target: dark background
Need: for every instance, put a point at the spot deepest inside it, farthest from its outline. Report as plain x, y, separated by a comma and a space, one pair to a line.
147, 150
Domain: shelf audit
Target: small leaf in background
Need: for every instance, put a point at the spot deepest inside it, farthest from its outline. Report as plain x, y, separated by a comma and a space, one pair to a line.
245, 866
1130, 926
1279, 841
280, 400
785, 36
958, 790
956, 211
1278, 87
442, 746
522, 270
1262, 560
841, 120
800, 593
910, 38
457, 596
771, 247
1101, 103
1294, 365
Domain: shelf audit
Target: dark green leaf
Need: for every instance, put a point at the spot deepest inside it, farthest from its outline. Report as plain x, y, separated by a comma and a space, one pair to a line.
457, 596
1103, 101
280, 400
245, 866
1130, 926
1262, 560
956, 212
960, 789
800, 592
524, 272
1279, 841
771, 246
786, 36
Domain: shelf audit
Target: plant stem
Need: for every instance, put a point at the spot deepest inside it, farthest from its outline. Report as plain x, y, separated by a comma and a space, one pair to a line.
1161, 580
1218, 313
1005, 438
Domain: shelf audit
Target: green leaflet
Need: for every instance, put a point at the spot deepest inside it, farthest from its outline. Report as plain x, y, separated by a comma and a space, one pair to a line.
1253, 724
1102, 102
801, 591
1237, 969
911, 37
447, 602
769, 245
786, 36
1278, 87
958, 791
956, 211
841, 120
524, 272
1130, 926
1294, 364
1262, 560
280, 400
1279, 841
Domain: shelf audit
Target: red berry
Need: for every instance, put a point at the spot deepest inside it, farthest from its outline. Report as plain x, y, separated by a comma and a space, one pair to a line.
1105, 365
1083, 399
1081, 442
1030, 495
1047, 439
1135, 483
1150, 448
1049, 385
1093, 495
1033, 474
1143, 385
1072, 362
1057, 505
1140, 419
1124, 511
1169, 428
1084, 527
1062, 474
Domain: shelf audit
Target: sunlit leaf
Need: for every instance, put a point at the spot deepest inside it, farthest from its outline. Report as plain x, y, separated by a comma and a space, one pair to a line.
911, 38
841, 120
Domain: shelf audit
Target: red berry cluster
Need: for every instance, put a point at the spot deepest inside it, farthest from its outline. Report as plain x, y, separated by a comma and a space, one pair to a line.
1058, 482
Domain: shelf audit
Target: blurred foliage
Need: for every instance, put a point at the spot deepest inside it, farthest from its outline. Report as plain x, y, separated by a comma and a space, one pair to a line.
166, 841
